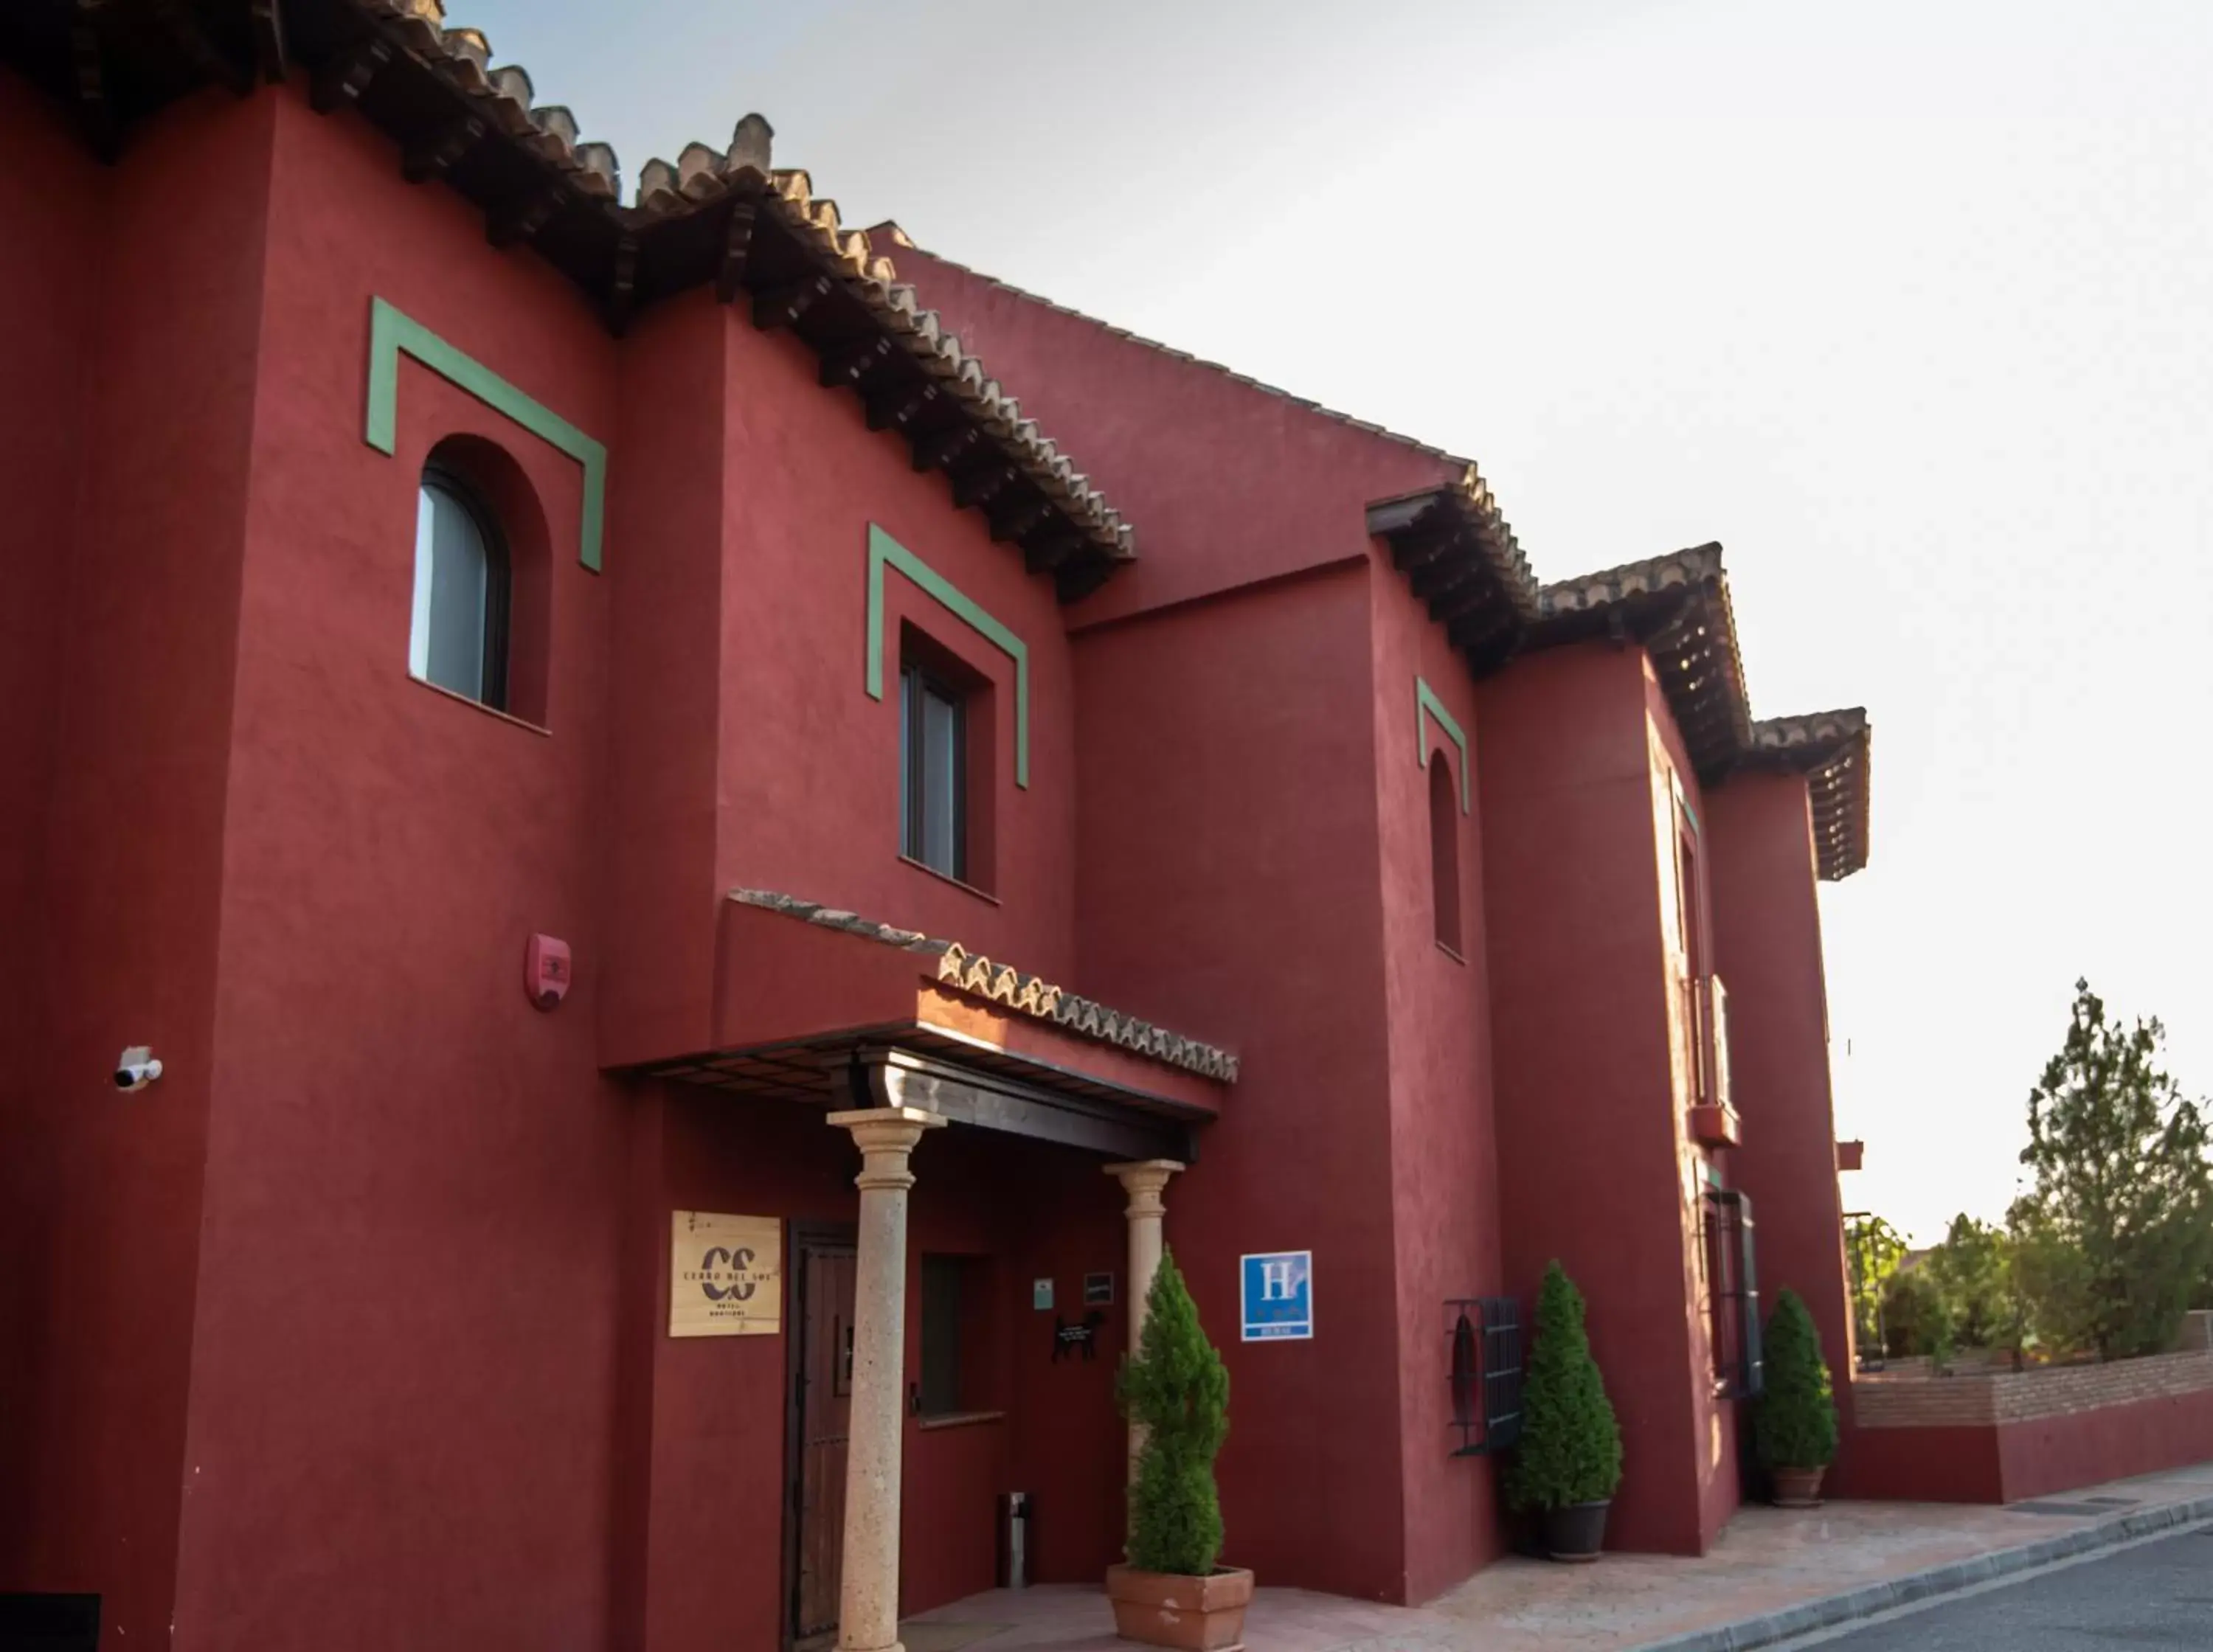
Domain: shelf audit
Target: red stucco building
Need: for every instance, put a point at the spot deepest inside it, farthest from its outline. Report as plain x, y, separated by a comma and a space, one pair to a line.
422, 552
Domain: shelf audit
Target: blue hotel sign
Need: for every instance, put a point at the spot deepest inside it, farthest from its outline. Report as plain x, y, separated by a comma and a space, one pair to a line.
1276, 1295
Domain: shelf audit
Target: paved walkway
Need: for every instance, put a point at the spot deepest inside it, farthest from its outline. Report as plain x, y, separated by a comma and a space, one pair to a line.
1768, 1561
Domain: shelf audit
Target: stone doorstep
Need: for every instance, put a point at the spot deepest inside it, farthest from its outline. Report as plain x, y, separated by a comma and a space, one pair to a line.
1810, 1617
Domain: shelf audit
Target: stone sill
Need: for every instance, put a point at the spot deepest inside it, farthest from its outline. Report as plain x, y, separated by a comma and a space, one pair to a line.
1716, 1126
947, 877
958, 1420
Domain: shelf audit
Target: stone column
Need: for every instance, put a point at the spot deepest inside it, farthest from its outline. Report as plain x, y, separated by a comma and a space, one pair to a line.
1144, 1181
868, 1597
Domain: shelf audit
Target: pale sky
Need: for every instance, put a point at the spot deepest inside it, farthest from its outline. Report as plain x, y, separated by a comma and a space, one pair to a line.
1909, 303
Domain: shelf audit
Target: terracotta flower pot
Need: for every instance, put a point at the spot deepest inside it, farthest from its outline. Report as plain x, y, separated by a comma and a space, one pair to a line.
1576, 1532
1193, 1614
1797, 1488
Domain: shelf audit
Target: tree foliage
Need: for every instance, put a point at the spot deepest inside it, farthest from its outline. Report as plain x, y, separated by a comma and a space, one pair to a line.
1570, 1448
1973, 1271
1915, 1319
1178, 1387
2117, 1230
1874, 1250
1795, 1426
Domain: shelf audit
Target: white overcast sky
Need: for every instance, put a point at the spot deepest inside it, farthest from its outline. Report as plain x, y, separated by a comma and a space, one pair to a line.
1908, 302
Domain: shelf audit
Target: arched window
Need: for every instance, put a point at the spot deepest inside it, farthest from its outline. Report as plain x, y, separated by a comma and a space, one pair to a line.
1444, 851
457, 635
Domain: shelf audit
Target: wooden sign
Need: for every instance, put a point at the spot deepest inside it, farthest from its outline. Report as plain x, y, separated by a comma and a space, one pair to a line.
725, 1274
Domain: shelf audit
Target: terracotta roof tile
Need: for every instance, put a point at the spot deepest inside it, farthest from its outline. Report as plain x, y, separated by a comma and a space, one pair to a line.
1678, 607
1831, 749
972, 972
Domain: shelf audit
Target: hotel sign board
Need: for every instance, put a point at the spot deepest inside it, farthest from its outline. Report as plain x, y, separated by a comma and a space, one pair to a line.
1277, 1296
725, 1274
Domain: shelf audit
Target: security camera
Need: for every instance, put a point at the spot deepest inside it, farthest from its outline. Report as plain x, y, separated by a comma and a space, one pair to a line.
137, 1067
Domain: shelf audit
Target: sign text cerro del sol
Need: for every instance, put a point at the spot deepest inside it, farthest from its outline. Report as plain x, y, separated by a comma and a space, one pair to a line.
725, 1274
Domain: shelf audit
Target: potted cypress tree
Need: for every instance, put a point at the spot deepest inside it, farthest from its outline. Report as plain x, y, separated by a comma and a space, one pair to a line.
1171, 1593
1567, 1464
1796, 1428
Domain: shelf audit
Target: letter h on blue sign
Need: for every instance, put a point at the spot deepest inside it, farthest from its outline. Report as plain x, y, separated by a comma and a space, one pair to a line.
1278, 1297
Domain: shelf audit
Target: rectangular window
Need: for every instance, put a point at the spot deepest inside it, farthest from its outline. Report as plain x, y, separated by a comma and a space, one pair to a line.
956, 1315
1732, 1295
933, 773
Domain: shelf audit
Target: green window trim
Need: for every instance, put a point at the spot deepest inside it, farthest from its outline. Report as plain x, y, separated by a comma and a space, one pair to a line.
392, 333
1426, 704
885, 551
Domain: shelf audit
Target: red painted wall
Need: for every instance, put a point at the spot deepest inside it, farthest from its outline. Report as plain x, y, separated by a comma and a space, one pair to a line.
759, 759
2013, 1461
49, 280
403, 1358
139, 734
1940, 1465
1767, 933
1593, 1169
2113, 1442
1444, 1165
1256, 708
1228, 481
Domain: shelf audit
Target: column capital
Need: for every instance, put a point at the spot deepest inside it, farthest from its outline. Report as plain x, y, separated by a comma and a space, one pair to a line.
885, 1136
1144, 1180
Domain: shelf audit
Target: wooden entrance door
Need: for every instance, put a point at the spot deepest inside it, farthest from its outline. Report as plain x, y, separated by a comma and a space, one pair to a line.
822, 1389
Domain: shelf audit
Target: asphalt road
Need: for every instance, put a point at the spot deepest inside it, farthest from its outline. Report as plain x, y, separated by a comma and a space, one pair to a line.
2158, 1595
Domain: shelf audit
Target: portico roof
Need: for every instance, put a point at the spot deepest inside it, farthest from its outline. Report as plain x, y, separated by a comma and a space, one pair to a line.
820, 1002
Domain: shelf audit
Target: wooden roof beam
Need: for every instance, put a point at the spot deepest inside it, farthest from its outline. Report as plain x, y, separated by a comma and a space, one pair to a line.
737, 250
934, 449
851, 363
622, 285
1050, 545
979, 482
512, 224
897, 406
348, 74
181, 28
434, 156
266, 20
1014, 516
95, 109
781, 306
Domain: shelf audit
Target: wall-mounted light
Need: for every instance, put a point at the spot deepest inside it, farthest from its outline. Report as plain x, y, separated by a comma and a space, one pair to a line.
137, 1067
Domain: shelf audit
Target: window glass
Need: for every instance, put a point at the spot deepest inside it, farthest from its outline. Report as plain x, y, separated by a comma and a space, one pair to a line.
942, 1277
455, 633
1444, 851
933, 775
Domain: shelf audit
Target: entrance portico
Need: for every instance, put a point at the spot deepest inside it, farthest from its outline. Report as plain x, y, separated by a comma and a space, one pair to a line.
1049, 1091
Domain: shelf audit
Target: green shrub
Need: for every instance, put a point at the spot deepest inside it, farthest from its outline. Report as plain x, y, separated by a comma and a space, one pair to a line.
1570, 1448
1178, 1387
1796, 1424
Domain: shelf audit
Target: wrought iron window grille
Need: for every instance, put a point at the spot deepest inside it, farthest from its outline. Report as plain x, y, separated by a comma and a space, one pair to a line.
1733, 1295
1485, 1372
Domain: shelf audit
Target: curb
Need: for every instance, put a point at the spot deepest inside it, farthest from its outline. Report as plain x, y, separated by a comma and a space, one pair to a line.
1837, 1610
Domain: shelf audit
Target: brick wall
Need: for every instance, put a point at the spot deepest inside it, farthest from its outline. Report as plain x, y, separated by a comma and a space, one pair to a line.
1972, 1401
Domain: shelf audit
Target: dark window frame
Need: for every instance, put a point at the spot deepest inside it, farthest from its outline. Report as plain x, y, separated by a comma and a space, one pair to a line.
1445, 896
1487, 1367
917, 683
499, 576
1728, 1259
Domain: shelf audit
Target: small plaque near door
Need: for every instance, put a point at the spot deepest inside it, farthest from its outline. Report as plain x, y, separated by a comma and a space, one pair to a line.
1041, 1295
725, 1274
1098, 1290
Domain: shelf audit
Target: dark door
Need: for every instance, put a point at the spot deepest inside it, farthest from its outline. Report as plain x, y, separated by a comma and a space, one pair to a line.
822, 1389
